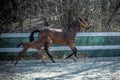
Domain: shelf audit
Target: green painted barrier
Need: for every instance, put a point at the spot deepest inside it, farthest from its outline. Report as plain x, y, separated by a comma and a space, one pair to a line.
96, 40
80, 41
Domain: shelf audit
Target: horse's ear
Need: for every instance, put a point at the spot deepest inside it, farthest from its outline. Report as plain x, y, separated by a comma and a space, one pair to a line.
81, 19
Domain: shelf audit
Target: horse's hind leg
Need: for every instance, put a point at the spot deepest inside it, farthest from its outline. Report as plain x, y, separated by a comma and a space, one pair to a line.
19, 56
46, 49
41, 57
12, 59
42, 61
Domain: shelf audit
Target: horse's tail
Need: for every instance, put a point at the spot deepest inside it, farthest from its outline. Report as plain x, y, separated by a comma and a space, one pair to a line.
31, 37
19, 45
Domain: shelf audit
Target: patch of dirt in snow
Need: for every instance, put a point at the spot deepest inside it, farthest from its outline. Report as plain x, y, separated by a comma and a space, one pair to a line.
82, 69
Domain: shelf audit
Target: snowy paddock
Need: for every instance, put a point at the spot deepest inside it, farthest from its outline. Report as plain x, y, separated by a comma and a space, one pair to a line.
106, 68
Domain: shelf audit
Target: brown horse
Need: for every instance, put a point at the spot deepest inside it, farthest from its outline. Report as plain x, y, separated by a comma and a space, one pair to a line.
34, 44
61, 36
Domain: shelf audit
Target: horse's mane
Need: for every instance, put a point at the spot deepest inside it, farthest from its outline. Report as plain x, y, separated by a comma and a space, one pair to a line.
72, 24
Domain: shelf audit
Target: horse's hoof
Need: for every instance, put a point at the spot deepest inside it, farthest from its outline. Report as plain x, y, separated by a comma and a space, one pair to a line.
74, 59
76, 56
43, 62
66, 58
12, 62
54, 61
15, 64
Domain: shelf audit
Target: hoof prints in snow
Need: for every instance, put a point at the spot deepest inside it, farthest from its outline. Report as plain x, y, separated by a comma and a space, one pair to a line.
82, 69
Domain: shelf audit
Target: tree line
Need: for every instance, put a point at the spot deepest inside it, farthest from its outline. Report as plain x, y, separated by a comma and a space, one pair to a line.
27, 15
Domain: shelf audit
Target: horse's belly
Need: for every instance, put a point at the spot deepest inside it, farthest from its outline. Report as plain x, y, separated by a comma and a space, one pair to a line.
61, 42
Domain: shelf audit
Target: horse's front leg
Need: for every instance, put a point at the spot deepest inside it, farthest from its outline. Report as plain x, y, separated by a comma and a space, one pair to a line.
74, 49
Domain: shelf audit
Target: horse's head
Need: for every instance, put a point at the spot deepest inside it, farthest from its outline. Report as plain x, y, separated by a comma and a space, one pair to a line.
83, 23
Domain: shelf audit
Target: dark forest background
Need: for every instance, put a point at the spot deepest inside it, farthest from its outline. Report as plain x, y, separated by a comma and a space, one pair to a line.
27, 15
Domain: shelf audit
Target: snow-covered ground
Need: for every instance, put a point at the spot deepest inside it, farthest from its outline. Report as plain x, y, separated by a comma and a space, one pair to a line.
83, 69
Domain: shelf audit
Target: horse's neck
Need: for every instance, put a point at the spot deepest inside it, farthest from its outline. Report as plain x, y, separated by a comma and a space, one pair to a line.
74, 29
